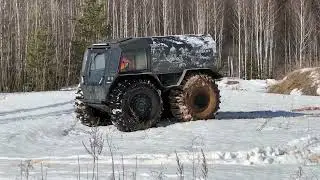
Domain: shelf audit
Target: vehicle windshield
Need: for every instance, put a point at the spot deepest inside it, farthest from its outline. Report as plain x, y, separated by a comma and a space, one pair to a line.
96, 65
98, 61
84, 62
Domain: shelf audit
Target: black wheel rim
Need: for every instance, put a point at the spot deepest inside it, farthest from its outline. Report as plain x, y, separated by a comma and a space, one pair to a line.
141, 105
198, 100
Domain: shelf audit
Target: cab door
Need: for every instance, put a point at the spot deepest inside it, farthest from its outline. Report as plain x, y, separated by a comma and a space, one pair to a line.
95, 78
112, 65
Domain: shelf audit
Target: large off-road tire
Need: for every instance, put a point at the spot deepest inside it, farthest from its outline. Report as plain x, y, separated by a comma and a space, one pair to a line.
198, 97
135, 105
87, 115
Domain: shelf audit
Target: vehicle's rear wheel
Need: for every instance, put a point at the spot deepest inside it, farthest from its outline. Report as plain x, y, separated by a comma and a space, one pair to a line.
198, 97
135, 105
87, 115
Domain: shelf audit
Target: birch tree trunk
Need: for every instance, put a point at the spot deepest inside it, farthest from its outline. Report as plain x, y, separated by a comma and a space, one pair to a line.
165, 16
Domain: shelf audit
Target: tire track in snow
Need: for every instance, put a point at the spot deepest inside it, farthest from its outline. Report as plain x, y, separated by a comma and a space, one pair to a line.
56, 109
43, 115
34, 109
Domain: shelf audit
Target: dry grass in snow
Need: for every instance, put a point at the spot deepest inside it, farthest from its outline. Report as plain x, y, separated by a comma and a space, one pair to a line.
302, 82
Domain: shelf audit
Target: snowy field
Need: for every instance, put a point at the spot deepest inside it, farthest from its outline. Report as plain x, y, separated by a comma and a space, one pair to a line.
255, 136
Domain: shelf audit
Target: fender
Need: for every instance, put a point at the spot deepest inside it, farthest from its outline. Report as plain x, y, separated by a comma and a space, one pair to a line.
144, 75
213, 73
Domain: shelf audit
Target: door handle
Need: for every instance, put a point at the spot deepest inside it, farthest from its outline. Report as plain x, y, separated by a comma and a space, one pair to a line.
101, 81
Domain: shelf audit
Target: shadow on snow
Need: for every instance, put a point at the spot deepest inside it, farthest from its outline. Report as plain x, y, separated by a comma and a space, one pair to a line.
240, 115
256, 115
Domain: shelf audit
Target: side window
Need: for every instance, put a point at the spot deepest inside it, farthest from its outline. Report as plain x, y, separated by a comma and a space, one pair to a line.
134, 60
114, 57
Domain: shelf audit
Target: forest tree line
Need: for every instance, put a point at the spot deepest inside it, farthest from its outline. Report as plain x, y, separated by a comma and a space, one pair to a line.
42, 41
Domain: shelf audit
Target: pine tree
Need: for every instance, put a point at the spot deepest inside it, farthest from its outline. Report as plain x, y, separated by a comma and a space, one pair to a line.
39, 67
90, 27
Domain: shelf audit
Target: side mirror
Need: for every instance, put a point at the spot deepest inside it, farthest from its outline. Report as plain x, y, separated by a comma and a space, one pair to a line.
82, 79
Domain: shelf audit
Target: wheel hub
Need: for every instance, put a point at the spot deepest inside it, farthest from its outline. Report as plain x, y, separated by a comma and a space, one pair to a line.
141, 105
201, 101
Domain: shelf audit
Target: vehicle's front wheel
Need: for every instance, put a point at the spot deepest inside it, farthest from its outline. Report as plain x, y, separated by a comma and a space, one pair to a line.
198, 97
135, 105
87, 115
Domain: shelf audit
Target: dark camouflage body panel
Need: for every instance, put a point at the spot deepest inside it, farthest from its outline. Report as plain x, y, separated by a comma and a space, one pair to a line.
172, 54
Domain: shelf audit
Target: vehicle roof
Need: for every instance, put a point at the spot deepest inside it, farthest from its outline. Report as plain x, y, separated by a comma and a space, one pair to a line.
118, 41
136, 42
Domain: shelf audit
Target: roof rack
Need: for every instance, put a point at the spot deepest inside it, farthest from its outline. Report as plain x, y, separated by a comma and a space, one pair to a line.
101, 44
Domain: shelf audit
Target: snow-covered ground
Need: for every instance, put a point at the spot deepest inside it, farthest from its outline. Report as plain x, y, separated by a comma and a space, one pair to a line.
255, 136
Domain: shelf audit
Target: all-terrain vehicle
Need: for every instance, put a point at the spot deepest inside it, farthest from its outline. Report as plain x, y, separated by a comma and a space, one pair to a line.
133, 82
